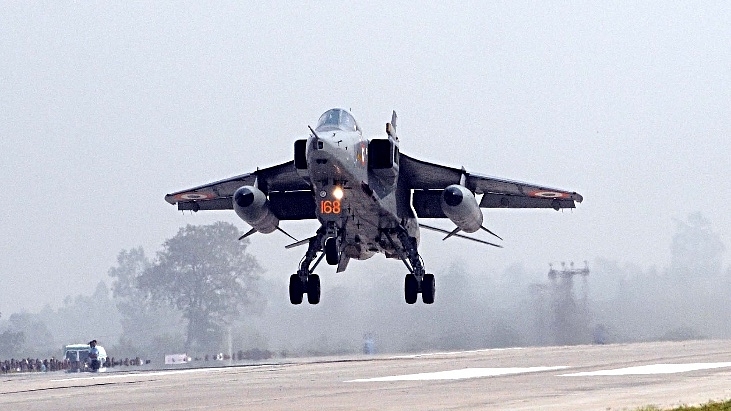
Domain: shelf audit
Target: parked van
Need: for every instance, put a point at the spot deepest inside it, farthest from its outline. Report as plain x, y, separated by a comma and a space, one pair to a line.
78, 355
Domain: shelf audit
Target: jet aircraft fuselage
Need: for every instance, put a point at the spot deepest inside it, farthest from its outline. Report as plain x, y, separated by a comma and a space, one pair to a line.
366, 196
354, 206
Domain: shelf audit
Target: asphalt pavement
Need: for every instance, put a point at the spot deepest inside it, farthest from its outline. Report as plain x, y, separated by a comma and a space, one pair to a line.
615, 377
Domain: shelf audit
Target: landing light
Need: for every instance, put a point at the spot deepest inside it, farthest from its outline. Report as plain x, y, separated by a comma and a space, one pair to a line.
338, 193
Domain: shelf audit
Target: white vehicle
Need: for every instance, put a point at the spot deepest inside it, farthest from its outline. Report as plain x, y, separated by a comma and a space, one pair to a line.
78, 355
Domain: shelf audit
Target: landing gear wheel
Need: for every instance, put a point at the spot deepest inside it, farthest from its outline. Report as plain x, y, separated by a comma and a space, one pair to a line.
411, 288
428, 288
313, 289
296, 289
331, 251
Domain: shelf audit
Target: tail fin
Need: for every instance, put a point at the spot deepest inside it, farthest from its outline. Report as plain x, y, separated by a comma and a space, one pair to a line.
391, 127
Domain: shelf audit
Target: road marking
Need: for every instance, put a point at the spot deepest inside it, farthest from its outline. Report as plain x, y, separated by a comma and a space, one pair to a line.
460, 374
652, 369
397, 357
142, 374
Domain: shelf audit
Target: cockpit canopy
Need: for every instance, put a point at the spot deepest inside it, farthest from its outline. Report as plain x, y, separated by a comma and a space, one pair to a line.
337, 119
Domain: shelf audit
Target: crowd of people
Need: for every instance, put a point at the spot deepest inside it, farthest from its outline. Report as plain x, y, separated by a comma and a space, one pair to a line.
31, 365
52, 364
74, 363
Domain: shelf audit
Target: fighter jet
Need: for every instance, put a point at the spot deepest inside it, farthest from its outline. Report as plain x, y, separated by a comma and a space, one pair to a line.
366, 196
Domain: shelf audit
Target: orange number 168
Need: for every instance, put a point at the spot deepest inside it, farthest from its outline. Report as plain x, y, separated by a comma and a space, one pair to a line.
330, 207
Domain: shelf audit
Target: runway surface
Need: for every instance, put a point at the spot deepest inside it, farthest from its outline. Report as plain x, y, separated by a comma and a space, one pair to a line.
616, 377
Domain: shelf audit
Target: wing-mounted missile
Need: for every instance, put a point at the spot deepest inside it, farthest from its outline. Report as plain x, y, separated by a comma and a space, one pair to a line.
460, 206
252, 206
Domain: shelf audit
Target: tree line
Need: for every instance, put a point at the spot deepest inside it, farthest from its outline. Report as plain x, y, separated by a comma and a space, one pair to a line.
184, 299
204, 289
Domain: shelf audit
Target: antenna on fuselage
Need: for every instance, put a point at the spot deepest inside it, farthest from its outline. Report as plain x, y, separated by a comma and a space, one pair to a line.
313, 132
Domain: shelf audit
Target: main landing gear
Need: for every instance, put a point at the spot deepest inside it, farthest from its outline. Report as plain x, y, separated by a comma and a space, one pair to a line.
305, 282
297, 289
417, 281
411, 288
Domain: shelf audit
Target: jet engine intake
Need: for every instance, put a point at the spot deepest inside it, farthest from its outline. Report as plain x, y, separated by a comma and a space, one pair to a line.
252, 206
460, 206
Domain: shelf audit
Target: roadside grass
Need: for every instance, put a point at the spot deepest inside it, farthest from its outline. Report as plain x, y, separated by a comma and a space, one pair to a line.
710, 406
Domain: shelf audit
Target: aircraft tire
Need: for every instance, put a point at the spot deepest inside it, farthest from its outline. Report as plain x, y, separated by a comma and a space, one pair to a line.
313, 289
428, 288
296, 289
411, 289
331, 251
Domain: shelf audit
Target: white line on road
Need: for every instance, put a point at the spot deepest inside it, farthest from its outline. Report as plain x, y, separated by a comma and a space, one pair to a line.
652, 369
460, 374
143, 374
431, 354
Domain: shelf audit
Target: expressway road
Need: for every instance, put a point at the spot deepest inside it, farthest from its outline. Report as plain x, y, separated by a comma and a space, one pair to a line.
622, 376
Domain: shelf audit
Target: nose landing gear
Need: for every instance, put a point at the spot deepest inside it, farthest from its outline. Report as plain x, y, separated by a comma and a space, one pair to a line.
332, 251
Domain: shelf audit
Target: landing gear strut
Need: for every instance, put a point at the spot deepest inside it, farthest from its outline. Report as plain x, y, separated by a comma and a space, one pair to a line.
418, 281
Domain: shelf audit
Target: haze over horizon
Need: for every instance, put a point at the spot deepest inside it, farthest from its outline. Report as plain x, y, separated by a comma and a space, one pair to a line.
106, 107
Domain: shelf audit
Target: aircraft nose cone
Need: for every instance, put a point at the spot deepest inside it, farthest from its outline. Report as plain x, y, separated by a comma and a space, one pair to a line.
243, 197
452, 196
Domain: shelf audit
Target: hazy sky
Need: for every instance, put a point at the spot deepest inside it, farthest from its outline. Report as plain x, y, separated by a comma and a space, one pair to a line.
107, 106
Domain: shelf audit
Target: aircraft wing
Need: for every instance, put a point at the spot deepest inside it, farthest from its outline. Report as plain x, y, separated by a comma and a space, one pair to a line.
289, 195
428, 180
